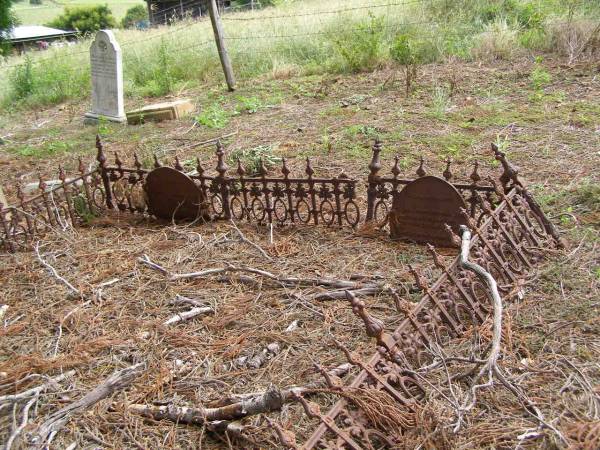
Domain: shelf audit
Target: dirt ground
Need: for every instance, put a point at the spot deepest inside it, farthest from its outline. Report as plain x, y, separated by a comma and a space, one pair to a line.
551, 344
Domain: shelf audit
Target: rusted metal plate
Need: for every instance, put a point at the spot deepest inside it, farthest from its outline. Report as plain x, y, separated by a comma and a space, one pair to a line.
421, 210
172, 195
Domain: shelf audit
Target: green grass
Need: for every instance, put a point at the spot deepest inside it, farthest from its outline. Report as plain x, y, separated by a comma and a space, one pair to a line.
50, 9
165, 60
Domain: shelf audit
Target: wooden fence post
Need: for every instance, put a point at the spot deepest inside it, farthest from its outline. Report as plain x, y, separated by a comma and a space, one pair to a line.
219, 38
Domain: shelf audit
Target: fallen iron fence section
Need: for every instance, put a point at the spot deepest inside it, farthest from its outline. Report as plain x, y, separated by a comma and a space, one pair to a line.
508, 242
64, 204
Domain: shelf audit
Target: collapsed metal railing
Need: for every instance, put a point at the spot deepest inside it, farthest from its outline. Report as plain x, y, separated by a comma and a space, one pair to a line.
508, 241
261, 198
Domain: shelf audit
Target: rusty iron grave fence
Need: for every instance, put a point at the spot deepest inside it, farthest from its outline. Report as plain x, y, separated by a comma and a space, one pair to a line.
510, 234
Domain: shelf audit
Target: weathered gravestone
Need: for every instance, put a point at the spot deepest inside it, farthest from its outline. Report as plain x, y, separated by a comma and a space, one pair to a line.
172, 195
107, 79
421, 210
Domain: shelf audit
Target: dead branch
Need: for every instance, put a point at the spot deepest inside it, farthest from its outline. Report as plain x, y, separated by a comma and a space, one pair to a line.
118, 380
181, 300
235, 407
258, 360
271, 400
54, 273
282, 280
249, 242
52, 382
491, 361
187, 315
23, 424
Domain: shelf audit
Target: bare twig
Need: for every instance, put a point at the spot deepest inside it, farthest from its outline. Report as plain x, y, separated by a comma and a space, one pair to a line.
54, 273
23, 424
118, 380
187, 315
36, 390
249, 242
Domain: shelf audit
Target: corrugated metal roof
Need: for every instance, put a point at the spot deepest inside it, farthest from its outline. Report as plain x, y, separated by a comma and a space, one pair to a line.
29, 32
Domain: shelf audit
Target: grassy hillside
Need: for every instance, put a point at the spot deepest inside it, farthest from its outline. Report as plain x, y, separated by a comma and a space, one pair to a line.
50, 9
310, 37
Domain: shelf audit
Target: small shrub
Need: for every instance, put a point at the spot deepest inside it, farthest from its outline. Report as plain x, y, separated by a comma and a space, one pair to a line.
539, 76
411, 52
440, 101
213, 117
22, 81
249, 105
86, 19
575, 38
498, 41
362, 47
135, 15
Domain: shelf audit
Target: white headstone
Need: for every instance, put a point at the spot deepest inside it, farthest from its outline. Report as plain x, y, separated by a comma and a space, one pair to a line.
107, 78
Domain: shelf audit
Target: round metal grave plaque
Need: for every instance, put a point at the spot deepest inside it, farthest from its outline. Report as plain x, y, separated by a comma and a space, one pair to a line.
172, 195
421, 210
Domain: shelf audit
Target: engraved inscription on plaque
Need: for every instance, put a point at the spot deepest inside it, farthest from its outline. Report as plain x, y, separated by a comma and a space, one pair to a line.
107, 78
421, 210
173, 195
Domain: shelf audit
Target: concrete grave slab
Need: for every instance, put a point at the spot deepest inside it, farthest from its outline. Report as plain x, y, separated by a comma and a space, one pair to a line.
161, 111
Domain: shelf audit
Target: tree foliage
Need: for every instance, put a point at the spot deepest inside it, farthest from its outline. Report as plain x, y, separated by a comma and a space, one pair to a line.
7, 21
87, 19
134, 15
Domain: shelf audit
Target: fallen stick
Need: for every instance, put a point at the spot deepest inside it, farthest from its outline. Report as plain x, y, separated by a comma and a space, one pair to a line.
283, 280
118, 380
235, 407
36, 390
187, 315
287, 393
22, 425
271, 400
54, 273
181, 300
249, 242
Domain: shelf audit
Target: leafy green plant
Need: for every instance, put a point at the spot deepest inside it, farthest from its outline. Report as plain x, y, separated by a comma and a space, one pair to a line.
214, 116
539, 76
249, 105
22, 80
440, 101
82, 209
361, 48
86, 19
251, 158
410, 52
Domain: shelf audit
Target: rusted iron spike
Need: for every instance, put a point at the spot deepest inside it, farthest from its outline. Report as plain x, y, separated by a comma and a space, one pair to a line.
100, 156
309, 170
453, 236
200, 169
177, 164
312, 410
367, 367
240, 168
396, 168
522, 222
447, 173
41, 183
136, 161
332, 381
118, 161
475, 178
421, 170
286, 438
422, 284
61, 174
375, 165
262, 170
374, 327
488, 210
221, 165
284, 168
510, 171
476, 230
81, 165
465, 295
